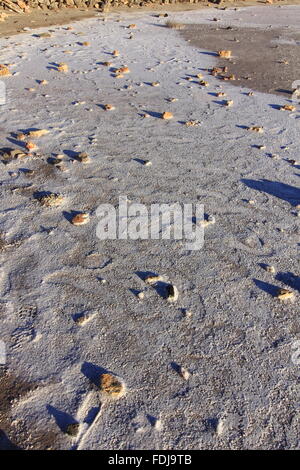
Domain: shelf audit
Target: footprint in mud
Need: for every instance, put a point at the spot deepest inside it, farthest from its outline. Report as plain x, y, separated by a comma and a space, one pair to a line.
87, 415
22, 336
144, 422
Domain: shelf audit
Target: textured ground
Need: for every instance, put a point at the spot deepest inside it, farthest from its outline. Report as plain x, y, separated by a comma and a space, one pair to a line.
243, 389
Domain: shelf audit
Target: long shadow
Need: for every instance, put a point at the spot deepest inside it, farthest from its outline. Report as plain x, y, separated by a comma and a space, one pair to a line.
220, 102
144, 274
20, 143
71, 154
93, 372
69, 215
265, 286
214, 54
281, 90
92, 414
6, 443
158, 25
152, 420
283, 191
160, 287
152, 113
39, 194
275, 106
62, 419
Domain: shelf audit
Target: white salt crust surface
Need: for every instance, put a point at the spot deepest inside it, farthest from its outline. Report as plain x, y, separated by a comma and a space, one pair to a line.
243, 389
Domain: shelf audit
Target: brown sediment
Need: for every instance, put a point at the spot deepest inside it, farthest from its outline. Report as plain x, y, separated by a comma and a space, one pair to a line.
258, 61
37, 18
20, 436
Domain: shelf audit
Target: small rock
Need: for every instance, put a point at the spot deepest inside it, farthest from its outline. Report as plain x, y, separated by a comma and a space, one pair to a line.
44, 35
153, 279
285, 294
209, 220
51, 200
269, 269
288, 107
62, 67
225, 54
112, 386
167, 115
80, 219
109, 107
257, 129
192, 123
72, 429
37, 133
172, 293
83, 157
31, 146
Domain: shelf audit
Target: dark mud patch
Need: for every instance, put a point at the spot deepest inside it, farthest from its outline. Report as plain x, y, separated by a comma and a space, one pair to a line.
258, 61
21, 435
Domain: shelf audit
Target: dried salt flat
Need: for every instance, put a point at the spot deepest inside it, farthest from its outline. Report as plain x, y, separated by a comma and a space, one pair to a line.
227, 329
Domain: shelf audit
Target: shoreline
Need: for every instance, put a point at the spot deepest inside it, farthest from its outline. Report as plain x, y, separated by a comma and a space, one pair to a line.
14, 23
69, 300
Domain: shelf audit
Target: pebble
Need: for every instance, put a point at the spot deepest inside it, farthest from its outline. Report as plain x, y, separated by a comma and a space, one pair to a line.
31, 146
153, 279
192, 123
209, 220
225, 54
38, 133
72, 429
269, 269
257, 129
62, 67
288, 107
184, 373
285, 294
167, 115
51, 200
111, 386
172, 293
83, 157
80, 219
